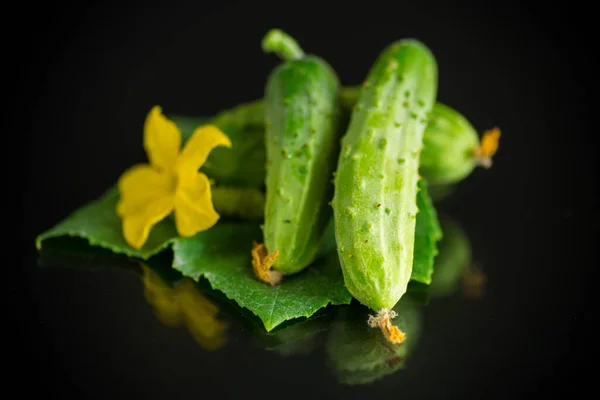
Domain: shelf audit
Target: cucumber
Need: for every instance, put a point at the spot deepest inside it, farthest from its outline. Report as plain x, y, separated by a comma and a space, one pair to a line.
374, 204
451, 145
303, 130
451, 142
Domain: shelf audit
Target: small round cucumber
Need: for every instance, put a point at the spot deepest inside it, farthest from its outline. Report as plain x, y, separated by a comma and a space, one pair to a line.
449, 147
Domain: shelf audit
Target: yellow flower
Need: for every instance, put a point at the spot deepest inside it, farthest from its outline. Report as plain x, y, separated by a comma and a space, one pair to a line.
171, 182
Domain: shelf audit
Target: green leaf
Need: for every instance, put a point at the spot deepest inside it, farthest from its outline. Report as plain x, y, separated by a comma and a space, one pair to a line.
427, 233
243, 164
242, 202
99, 223
187, 124
222, 255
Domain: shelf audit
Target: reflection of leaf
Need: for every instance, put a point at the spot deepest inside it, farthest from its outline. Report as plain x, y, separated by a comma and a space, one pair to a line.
296, 338
185, 305
177, 300
453, 258
222, 255
76, 253
360, 354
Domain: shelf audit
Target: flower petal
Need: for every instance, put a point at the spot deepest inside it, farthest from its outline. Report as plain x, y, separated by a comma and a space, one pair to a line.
198, 147
140, 184
162, 140
194, 211
136, 227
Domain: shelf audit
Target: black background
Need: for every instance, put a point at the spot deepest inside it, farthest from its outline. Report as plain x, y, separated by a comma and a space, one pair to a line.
87, 75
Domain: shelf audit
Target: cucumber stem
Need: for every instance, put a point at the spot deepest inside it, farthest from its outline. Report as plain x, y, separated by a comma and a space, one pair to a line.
285, 46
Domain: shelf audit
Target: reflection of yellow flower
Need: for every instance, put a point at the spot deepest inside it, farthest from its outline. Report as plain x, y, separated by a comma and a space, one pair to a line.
150, 192
185, 305
473, 281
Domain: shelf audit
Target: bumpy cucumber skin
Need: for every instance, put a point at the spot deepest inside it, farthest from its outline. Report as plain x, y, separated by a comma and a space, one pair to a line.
448, 146
376, 180
302, 118
447, 157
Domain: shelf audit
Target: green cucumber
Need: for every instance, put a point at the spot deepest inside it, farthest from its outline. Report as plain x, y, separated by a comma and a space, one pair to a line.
374, 204
448, 147
450, 144
449, 155
302, 119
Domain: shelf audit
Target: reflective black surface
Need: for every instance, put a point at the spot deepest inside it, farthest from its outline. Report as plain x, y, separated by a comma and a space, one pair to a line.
86, 327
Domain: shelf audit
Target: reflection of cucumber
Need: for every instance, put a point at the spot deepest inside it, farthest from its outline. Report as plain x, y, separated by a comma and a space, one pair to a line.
453, 257
359, 354
303, 117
